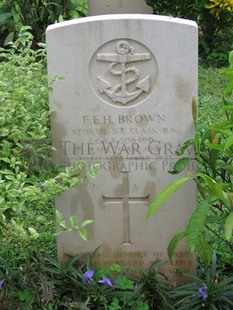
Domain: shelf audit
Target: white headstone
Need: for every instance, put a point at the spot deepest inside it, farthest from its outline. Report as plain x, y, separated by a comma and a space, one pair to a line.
99, 7
124, 103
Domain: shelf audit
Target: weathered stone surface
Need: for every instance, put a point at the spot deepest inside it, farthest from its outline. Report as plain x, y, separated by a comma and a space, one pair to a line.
125, 103
99, 7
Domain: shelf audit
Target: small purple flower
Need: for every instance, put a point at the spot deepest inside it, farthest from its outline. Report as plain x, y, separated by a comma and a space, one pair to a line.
1, 285
203, 292
88, 275
106, 281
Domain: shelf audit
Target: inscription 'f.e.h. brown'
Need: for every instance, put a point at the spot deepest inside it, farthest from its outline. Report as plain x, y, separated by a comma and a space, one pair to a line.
125, 200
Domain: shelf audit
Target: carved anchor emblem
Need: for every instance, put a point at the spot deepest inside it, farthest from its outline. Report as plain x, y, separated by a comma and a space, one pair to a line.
125, 54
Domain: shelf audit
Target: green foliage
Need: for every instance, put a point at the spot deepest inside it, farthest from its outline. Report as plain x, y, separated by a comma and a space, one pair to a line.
213, 149
74, 225
209, 290
37, 14
215, 30
28, 179
165, 194
26, 284
24, 118
78, 284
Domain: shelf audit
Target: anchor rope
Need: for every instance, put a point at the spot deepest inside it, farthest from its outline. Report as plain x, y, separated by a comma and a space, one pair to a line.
116, 73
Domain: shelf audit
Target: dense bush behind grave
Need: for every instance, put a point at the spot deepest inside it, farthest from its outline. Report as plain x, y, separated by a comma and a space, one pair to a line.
28, 180
24, 123
215, 21
37, 14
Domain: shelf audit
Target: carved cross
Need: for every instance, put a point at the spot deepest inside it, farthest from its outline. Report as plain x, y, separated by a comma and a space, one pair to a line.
124, 200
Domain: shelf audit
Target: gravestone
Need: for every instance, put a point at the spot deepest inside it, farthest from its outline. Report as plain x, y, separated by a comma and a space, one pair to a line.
124, 103
97, 7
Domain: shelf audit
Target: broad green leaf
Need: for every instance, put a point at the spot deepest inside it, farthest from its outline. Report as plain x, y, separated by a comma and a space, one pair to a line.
228, 143
216, 188
174, 241
5, 16
62, 224
74, 223
83, 233
6, 160
231, 59
85, 223
229, 226
213, 266
196, 226
58, 216
184, 147
227, 71
229, 89
217, 147
213, 219
9, 38
165, 194
226, 132
180, 165
6, 171
10, 177
204, 251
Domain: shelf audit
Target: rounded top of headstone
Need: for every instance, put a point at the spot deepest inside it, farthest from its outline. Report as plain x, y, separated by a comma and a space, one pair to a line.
99, 7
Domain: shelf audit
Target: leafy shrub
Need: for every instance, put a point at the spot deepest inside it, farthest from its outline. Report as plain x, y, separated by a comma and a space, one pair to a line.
37, 14
215, 21
214, 152
176, 8
28, 179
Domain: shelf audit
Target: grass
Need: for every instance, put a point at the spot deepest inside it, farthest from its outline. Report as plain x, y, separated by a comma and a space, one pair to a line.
211, 86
